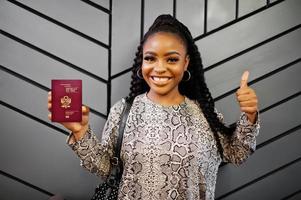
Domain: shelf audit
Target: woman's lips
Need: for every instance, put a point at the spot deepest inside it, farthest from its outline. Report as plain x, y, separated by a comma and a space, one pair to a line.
160, 80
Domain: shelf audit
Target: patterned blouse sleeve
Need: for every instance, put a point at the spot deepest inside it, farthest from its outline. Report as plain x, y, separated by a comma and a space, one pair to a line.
238, 147
95, 156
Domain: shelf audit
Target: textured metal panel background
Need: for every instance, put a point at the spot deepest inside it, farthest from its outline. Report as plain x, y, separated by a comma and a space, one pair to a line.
96, 41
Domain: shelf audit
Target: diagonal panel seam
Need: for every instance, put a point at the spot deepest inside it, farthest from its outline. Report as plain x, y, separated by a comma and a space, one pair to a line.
10, 176
56, 22
97, 6
46, 53
32, 82
286, 66
237, 20
253, 47
283, 167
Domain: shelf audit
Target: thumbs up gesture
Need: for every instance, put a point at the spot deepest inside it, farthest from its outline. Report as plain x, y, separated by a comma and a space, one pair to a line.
247, 98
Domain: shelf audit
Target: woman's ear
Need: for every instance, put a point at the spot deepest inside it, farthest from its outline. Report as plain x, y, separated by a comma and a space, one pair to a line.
187, 59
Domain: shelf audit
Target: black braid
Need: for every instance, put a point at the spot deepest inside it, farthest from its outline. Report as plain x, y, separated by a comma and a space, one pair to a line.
196, 88
138, 85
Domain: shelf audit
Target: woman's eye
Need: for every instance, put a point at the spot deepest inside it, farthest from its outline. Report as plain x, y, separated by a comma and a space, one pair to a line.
172, 60
149, 58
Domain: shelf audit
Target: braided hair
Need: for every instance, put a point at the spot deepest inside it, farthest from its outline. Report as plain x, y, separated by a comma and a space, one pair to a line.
195, 88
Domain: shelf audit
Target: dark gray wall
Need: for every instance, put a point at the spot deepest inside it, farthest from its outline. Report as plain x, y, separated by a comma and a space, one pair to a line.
96, 41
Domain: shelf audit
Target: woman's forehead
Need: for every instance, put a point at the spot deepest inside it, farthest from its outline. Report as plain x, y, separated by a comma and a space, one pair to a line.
164, 41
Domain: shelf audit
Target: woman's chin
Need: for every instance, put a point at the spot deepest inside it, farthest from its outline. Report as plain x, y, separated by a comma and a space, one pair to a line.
160, 91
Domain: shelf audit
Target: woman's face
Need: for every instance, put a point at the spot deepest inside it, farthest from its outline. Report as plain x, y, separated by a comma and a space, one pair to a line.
164, 63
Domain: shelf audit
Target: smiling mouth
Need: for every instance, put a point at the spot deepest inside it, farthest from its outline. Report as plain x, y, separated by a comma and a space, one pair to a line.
160, 80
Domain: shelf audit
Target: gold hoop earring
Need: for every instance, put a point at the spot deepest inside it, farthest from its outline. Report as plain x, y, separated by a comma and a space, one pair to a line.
138, 74
189, 76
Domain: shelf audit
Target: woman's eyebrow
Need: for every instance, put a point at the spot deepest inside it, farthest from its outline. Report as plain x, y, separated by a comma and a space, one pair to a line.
167, 54
172, 52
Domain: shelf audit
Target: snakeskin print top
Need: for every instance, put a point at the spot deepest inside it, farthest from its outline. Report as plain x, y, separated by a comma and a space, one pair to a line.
168, 152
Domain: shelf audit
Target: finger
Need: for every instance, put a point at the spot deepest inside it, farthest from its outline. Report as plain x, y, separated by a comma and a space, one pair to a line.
246, 97
250, 110
85, 109
49, 106
244, 79
242, 91
250, 103
49, 97
49, 116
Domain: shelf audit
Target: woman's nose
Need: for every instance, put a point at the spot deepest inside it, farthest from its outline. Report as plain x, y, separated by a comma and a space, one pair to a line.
159, 68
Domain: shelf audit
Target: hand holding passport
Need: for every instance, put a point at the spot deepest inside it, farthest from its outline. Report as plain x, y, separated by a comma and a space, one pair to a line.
66, 100
65, 105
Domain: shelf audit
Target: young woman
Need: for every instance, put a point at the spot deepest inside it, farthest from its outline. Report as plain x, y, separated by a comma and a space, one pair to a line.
174, 139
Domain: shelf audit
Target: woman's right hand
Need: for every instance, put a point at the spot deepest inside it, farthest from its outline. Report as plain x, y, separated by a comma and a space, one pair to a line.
78, 128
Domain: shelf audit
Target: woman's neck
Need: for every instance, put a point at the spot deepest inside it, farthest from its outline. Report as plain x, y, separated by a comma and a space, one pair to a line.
166, 100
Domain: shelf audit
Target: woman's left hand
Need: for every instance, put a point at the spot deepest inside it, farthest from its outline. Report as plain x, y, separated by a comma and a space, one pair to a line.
247, 98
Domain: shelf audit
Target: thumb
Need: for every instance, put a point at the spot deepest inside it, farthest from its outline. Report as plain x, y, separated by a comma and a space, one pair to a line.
244, 79
85, 109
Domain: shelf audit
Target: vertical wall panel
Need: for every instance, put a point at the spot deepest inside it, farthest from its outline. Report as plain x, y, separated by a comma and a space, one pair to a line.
125, 32
153, 8
247, 6
220, 12
195, 20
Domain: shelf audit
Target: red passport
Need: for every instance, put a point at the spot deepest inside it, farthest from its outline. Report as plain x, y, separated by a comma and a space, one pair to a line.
66, 100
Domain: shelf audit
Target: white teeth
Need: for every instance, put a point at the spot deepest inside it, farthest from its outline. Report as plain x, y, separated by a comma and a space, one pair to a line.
160, 79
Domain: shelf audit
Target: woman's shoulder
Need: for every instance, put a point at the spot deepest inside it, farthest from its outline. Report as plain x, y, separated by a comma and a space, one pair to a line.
119, 105
196, 106
193, 104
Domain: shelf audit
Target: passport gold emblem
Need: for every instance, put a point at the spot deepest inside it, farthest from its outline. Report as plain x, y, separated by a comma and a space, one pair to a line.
65, 102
